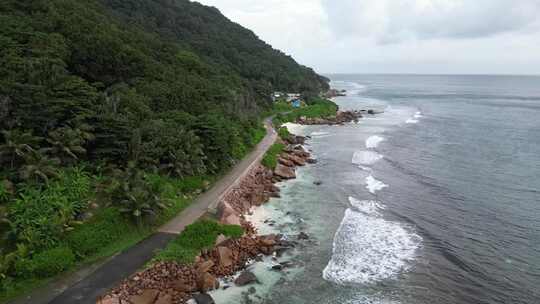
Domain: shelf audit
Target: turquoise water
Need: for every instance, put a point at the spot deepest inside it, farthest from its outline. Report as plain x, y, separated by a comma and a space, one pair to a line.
435, 201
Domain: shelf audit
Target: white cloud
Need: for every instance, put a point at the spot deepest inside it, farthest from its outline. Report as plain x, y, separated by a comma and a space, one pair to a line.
408, 36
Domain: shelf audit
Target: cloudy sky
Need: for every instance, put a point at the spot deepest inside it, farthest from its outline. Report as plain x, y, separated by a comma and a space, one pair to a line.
398, 36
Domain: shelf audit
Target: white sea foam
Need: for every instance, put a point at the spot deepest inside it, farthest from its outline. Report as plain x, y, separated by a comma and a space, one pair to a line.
318, 133
418, 115
368, 248
411, 121
364, 168
366, 157
373, 141
374, 185
366, 207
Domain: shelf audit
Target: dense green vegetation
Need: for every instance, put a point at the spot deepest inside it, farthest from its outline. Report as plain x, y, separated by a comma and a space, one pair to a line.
316, 107
113, 115
196, 237
270, 159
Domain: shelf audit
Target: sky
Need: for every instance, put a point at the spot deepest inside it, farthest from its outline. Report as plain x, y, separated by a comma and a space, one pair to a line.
398, 36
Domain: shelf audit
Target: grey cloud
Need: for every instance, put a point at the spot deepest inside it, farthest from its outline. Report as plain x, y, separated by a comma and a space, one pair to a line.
390, 21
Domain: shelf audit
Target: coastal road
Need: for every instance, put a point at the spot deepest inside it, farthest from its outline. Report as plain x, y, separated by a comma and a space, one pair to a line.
85, 286
208, 201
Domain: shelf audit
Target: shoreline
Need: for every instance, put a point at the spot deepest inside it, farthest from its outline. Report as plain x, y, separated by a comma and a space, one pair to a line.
220, 267
170, 282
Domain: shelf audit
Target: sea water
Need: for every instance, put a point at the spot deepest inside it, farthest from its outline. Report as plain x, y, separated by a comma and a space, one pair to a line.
436, 200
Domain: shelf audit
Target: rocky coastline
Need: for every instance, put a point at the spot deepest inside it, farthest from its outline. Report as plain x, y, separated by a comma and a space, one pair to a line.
173, 283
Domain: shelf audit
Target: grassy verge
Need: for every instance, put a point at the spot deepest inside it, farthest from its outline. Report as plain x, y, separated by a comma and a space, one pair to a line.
270, 159
105, 234
196, 237
316, 108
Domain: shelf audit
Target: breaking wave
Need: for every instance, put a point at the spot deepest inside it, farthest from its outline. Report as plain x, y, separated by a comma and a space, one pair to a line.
374, 185
367, 248
411, 121
373, 141
366, 157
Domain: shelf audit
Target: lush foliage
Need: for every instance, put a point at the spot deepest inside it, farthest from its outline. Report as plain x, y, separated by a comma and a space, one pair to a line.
117, 112
284, 133
38, 217
200, 235
270, 159
47, 263
317, 107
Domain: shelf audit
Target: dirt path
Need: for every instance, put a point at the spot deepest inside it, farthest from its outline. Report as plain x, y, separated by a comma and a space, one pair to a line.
85, 286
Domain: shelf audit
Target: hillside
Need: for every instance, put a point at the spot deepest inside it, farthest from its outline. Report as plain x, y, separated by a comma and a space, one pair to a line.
113, 115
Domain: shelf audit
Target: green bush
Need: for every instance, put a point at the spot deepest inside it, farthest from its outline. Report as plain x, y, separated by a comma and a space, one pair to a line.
39, 216
104, 229
47, 263
284, 133
196, 237
270, 159
317, 107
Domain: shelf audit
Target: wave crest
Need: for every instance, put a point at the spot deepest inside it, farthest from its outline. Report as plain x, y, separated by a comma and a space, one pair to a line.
368, 248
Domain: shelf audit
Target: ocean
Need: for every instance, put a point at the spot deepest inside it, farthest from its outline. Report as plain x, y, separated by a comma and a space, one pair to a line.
436, 200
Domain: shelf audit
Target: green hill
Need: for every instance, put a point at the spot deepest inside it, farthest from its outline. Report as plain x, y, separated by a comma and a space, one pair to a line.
116, 112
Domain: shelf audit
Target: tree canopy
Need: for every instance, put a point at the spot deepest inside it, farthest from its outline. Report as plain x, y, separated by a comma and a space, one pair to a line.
92, 77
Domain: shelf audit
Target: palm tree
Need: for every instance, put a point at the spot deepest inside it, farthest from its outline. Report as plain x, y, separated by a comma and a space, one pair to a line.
68, 143
17, 145
39, 167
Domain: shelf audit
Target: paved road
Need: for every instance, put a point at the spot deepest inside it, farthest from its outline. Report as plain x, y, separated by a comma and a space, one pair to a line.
210, 199
85, 286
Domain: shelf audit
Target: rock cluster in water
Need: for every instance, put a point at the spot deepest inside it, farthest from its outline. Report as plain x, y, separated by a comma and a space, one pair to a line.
340, 118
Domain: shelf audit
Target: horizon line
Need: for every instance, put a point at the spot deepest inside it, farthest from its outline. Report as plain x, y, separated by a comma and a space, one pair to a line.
427, 74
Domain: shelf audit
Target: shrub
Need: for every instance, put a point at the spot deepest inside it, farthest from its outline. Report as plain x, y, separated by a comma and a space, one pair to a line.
270, 159
284, 133
130, 191
316, 108
47, 263
104, 229
196, 237
40, 215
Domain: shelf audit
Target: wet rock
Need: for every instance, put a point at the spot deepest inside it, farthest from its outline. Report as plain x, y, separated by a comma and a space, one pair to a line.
164, 299
284, 172
206, 282
183, 286
297, 160
303, 236
285, 162
232, 219
245, 278
277, 267
224, 209
205, 266
311, 161
317, 183
225, 256
221, 239
286, 264
203, 298
268, 240
148, 296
